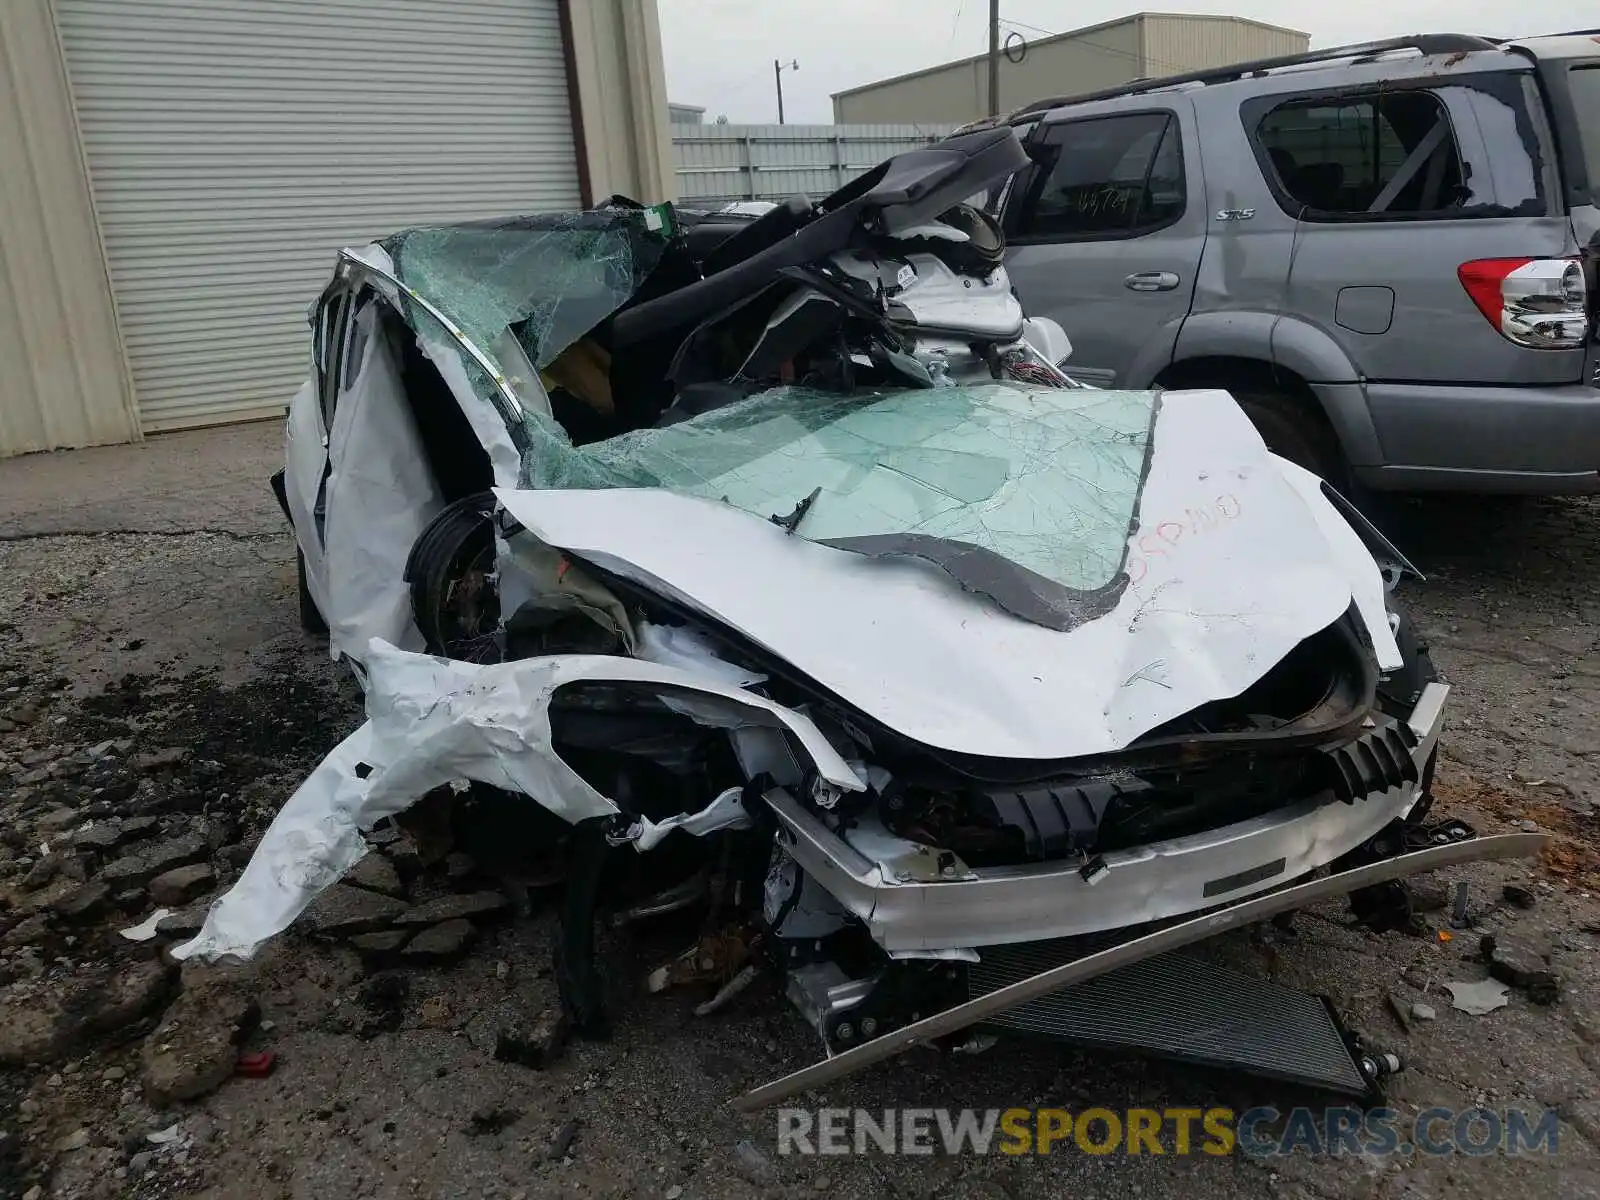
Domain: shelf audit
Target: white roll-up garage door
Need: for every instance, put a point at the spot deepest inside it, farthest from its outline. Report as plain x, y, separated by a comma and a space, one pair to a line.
235, 145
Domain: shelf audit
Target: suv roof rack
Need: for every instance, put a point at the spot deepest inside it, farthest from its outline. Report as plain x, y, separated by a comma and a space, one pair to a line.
1428, 43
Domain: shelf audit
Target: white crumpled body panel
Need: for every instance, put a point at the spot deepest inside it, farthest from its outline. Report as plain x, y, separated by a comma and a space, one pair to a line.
1233, 563
433, 722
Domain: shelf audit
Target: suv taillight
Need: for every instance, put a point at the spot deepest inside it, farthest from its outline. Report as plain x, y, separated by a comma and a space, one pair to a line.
1534, 302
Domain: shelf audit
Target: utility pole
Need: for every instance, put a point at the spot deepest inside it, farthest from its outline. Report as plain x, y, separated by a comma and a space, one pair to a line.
994, 58
778, 68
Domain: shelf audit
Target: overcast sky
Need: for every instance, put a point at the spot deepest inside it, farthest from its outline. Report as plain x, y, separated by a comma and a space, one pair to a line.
719, 52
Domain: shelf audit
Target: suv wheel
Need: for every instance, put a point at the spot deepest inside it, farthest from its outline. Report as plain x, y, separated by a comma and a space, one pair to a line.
1296, 432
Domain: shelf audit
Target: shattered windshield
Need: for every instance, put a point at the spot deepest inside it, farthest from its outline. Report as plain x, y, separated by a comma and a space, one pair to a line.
1045, 478
549, 279
1025, 494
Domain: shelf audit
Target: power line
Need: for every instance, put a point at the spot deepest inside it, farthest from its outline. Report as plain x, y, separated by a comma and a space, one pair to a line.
1117, 50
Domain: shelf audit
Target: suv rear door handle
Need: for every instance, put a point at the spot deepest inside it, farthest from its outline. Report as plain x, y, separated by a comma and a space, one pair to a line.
1151, 281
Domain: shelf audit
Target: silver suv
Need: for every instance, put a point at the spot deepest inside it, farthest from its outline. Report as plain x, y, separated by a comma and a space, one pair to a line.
1386, 252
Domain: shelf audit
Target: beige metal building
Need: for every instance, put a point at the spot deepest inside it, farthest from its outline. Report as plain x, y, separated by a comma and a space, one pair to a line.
176, 176
1142, 46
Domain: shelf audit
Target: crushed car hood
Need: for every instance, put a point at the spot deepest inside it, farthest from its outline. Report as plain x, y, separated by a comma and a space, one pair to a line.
1051, 585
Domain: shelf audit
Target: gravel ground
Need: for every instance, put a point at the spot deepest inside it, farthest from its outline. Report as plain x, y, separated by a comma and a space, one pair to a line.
152, 679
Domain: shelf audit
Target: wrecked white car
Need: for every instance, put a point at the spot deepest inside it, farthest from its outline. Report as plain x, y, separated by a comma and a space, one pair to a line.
781, 551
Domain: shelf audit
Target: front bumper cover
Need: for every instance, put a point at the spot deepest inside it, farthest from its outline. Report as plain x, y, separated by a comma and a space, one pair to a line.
1155, 882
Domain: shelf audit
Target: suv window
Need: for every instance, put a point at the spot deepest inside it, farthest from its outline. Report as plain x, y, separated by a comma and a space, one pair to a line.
1387, 153
1584, 84
1105, 177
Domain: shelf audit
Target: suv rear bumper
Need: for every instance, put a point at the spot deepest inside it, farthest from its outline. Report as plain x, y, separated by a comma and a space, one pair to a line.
1485, 439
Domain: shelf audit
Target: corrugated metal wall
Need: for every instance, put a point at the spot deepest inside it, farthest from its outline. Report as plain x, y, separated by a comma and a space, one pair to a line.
63, 382
719, 163
1099, 57
1086, 60
1173, 44
234, 146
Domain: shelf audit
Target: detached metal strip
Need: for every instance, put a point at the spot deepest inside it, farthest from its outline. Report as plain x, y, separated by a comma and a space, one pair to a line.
513, 413
952, 1020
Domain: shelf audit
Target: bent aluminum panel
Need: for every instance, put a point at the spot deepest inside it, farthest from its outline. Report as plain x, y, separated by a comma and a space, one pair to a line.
1155, 882
953, 1020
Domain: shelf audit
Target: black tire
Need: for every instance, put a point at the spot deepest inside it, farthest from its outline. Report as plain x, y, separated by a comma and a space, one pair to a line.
1295, 429
311, 619
452, 600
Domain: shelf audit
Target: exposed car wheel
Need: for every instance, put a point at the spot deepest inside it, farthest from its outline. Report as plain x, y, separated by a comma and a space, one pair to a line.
1294, 430
451, 573
310, 615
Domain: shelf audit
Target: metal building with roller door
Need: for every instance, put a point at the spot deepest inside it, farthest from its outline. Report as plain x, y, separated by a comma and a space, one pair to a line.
176, 176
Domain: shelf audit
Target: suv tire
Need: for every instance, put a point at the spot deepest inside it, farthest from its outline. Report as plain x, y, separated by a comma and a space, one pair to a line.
1296, 432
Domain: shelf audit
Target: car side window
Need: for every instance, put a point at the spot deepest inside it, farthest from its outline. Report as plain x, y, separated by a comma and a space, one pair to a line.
327, 345
1104, 177
1383, 154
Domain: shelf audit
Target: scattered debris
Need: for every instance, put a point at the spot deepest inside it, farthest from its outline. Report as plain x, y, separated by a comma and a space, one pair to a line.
1514, 961
1423, 1012
1401, 1013
561, 1144
536, 1046
257, 1065
435, 1013
384, 997
729, 990
1518, 896
146, 929
488, 1121
751, 1162
1428, 894
1480, 998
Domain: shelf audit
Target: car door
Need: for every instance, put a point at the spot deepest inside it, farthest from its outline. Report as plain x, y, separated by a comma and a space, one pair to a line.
306, 434
1104, 234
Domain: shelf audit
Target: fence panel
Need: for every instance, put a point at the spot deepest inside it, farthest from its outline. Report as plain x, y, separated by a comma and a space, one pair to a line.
722, 163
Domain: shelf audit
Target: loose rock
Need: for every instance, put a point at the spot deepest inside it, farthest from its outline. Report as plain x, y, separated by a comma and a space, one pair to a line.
535, 1046
375, 873
41, 873
344, 911
195, 1048
1516, 962
381, 948
443, 943
184, 924
83, 904
472, 906
42, 1026
177, 887
137, 870
1518, 896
